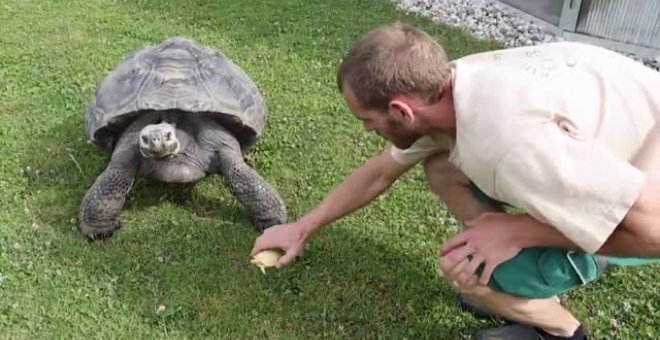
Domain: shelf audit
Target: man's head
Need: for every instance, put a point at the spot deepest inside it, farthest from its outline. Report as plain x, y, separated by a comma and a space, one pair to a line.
392, 79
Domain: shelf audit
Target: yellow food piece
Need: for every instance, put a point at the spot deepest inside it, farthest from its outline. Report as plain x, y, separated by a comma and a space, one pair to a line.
265, 259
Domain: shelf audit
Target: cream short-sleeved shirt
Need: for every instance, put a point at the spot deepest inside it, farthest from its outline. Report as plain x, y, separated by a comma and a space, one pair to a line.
555, 130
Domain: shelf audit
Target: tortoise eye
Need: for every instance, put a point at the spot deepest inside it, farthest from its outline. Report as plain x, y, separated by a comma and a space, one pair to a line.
144, 139
168, 136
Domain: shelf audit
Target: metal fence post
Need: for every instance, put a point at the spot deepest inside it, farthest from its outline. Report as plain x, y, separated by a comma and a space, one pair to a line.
569, 15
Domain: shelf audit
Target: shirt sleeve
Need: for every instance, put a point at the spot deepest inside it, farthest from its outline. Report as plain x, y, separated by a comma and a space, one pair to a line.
420, 150
577, 186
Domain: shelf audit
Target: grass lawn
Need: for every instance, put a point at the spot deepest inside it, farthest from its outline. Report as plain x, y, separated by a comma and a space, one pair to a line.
179, 268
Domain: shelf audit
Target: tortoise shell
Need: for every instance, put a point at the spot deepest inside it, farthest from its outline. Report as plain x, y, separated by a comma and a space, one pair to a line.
177, 74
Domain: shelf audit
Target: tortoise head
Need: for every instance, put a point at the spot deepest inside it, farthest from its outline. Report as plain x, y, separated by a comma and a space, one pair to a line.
159, 141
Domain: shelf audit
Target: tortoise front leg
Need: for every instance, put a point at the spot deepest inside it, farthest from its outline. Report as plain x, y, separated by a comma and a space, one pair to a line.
262, 201
98, 217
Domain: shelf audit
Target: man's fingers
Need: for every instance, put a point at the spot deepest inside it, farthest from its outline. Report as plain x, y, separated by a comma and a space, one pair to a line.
457, 255
470, 269
287, 258
456, 261
454, 242
471, 281
452, 273
258, 246
485, 276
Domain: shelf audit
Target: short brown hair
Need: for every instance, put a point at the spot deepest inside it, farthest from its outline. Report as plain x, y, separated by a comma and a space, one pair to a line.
391, 60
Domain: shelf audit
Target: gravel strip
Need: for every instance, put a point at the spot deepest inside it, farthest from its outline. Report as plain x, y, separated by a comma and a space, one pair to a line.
491, 20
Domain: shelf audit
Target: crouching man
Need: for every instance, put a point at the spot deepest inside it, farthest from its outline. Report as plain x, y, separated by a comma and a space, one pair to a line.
564, 134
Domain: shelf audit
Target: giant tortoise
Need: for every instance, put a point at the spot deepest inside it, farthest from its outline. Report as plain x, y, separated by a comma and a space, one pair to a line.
176, 112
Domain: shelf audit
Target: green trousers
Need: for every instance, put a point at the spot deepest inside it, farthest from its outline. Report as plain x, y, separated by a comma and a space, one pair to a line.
542, 272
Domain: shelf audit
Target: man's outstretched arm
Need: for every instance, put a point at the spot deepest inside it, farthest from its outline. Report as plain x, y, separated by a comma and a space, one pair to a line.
357, 190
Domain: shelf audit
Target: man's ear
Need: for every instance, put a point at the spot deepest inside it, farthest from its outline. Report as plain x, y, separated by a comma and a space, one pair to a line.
400, 111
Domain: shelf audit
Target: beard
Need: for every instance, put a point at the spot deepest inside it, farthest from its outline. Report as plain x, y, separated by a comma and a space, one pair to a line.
404, 143
400, 135
402, 139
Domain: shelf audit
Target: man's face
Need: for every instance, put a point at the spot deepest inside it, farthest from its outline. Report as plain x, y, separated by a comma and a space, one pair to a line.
392, 124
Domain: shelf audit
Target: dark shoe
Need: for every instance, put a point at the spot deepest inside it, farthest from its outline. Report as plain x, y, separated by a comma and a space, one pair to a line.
509, 332
523, 332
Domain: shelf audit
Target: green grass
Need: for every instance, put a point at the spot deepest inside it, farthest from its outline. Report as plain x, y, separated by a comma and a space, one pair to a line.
179, 268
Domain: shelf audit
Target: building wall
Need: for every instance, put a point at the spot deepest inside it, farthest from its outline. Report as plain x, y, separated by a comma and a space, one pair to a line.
634, 22
625, 25
546, 10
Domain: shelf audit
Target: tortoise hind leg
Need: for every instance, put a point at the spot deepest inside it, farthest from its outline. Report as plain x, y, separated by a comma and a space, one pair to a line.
98, 217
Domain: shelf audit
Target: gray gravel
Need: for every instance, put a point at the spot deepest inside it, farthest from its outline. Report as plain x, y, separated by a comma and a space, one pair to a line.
489, 19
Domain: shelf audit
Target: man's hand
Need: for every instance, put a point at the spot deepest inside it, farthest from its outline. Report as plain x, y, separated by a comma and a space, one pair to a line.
490, 239
288, 237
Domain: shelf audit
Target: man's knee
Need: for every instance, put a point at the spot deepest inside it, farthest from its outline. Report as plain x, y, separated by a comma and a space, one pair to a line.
442, 175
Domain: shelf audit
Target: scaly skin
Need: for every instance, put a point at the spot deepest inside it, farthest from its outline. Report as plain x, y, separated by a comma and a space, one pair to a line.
263, 203
206, 148
260, 199
100, 208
